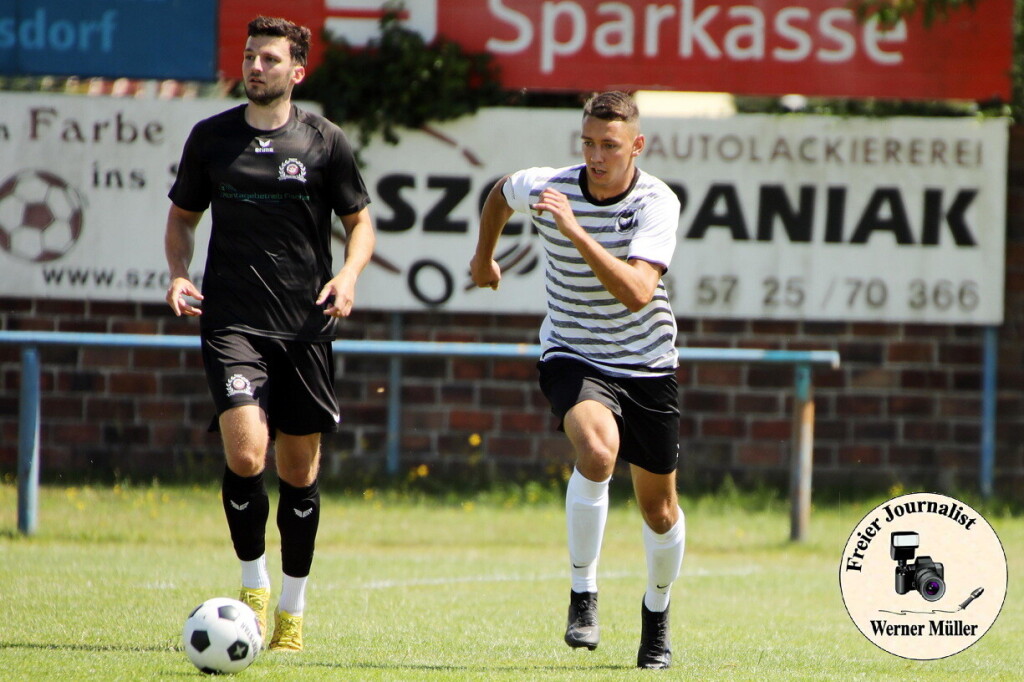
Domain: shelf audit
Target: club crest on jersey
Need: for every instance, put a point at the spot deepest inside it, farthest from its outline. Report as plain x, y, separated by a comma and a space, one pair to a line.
624, 222
291, 169
239, 384
264, 146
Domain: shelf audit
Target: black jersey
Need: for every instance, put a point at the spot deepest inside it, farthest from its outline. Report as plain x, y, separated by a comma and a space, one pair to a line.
271, 195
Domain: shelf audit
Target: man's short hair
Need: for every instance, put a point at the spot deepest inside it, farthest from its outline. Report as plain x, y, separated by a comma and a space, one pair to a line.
298, 36
612, 106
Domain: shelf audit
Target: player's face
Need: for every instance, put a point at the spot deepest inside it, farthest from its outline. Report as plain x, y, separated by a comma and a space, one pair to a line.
268, 71
609, 148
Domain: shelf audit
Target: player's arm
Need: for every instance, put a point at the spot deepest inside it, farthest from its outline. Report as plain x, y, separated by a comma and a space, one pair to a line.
179, 244
632, 282
484, 270
359, 243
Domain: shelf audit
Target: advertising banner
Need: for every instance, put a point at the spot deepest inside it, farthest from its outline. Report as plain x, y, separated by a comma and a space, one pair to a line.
761, 47
109, 38
744, 47
83, 193
790, 217
786, 217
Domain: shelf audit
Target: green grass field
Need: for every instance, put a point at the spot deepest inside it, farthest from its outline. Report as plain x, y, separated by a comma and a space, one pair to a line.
407, 589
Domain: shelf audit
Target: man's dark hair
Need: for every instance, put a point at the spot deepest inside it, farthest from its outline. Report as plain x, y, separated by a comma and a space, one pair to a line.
298, 36
612, 106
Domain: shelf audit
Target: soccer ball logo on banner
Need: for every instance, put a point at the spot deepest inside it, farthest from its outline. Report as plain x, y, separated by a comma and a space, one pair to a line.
41, 216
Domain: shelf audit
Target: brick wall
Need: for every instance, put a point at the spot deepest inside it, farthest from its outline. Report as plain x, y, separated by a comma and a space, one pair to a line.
905, 406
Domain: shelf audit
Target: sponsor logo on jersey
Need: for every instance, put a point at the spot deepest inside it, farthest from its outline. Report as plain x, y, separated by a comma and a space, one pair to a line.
264, 146
624, 223
238, 384
291, 169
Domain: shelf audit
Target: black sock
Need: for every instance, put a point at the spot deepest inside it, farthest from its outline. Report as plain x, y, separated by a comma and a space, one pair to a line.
298, 517
247, 508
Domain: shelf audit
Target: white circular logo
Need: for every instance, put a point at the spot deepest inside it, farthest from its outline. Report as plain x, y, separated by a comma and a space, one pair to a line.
239, 384
291, 169
923, 576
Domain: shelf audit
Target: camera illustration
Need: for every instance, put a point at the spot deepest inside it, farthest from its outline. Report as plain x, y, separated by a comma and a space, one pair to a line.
923, 575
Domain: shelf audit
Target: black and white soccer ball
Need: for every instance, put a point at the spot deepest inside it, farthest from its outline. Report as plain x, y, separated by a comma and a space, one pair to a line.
41, 216
222, 635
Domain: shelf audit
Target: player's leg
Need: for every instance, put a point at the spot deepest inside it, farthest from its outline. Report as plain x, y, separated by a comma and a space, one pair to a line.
298, 519
236, 375
303, 405
594, 434
664, 534
246, 504
650, 443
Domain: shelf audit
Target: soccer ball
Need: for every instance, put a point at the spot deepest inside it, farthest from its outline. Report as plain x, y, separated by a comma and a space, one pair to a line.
40, 216
222, 636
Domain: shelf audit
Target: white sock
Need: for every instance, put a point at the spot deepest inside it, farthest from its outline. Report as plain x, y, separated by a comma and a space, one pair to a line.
254, 573
664, 559
293, 595
586, 511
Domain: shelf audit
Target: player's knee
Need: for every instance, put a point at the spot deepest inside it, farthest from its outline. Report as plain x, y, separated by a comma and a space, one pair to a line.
595, 459
297, 476
659, 515
245, 462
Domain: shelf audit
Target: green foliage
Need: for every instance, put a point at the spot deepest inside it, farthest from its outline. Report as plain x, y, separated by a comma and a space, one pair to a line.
891, 11
399, 81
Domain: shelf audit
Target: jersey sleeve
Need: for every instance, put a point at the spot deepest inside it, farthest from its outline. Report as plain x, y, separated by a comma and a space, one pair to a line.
191, 188
345, 189
657, 224
519, 186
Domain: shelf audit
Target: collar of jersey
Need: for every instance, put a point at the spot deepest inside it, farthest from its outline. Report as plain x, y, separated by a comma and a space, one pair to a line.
585, 189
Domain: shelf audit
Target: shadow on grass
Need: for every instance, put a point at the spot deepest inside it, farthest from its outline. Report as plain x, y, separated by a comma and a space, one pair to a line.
438, 668
97, 648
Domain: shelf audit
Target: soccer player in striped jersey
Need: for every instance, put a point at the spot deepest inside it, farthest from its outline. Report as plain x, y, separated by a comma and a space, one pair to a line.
608, 348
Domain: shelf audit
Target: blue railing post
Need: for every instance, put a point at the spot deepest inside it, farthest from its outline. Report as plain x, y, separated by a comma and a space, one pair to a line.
802, 456
394, 440
28, 442
988, 411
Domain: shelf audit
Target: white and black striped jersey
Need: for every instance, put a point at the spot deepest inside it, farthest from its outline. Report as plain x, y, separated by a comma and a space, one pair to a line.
583, 319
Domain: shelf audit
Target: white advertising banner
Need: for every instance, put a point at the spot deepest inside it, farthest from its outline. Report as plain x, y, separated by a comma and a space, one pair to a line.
783, 217
83, 193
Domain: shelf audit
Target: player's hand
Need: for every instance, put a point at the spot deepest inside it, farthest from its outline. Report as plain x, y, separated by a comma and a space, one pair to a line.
176, 293
557, 204
485, 272
339, 296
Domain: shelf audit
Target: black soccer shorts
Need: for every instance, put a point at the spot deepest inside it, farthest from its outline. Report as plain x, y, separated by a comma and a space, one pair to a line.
646, 408
292, 381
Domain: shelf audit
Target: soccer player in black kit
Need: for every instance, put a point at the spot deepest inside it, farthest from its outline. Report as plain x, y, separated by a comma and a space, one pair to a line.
272, 175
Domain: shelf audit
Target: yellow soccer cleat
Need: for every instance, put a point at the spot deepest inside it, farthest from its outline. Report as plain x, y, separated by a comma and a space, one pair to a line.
287, 632
257, 599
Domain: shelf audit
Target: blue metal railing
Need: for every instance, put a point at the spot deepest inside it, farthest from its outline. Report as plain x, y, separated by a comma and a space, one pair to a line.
30, 396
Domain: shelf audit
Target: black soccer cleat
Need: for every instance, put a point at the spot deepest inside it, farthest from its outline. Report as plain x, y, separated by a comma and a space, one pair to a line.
582, 629
655, 651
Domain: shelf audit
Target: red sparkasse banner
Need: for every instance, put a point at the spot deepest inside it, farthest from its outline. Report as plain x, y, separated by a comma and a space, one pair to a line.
745, 47
750, 47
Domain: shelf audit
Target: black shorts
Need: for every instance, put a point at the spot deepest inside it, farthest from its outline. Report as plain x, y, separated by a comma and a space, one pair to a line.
646, 408
292, 381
